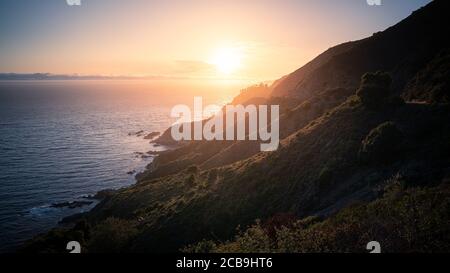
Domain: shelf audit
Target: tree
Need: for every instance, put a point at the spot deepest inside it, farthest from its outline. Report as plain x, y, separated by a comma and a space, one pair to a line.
382, 144
374, 89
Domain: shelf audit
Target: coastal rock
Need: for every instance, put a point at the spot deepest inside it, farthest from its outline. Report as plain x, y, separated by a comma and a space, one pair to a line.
145, 155
153, 153
101, 194
152, 135
71, 205
138, 133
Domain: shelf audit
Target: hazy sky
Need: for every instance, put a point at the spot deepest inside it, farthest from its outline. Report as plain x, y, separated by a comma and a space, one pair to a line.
252, 39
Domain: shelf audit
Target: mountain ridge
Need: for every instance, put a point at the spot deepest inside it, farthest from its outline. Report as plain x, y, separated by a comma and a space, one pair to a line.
401, 50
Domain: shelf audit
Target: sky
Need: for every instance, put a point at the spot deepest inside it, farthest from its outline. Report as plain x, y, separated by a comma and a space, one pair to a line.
251, 39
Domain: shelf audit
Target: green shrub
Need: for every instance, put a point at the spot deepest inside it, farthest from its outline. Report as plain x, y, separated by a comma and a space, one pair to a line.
205, 246
193, 169
253, 240
190, 181
112, 235
382, 144
212, 174
279, 220
374, 89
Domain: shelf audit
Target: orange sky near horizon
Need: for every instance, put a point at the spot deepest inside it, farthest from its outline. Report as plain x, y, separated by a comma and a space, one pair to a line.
245, 40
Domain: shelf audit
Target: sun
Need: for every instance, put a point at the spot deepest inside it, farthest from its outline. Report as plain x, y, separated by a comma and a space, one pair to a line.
227, 60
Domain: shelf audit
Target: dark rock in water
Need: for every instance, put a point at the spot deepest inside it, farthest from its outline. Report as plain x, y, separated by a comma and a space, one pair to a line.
153, 153
144, 155
71, 205
100, 195
166, 139
103, 194
88, 196
138, 133
131, 172
152, 135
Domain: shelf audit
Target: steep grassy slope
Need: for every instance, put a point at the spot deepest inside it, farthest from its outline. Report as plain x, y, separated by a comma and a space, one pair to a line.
432, 83
402, 50
317, 171
402, 220
414, 52
294, 114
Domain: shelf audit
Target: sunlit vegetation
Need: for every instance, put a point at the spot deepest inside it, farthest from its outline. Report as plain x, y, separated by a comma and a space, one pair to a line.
403, 220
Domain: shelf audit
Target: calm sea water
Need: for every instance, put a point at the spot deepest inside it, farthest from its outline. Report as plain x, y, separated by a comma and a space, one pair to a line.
60, 141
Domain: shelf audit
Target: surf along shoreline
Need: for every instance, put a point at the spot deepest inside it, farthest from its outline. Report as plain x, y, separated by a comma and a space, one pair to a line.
158, 145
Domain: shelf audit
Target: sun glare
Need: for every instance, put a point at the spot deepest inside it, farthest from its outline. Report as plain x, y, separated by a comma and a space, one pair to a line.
227, 60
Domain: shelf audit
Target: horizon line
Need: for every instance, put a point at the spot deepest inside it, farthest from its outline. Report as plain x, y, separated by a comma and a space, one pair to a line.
11, 76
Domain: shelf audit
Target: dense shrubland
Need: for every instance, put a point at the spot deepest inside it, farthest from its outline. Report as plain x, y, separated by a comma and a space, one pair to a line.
403, 220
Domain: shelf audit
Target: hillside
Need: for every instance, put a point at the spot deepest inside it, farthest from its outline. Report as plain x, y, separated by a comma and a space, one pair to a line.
401, 220
402, 50
414, 52
347, 138
314, 173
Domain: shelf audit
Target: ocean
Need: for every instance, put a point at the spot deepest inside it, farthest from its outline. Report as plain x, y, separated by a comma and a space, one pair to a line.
63, 140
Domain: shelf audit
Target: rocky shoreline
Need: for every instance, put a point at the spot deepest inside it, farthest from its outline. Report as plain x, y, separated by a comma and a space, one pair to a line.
99, 196
105, 193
